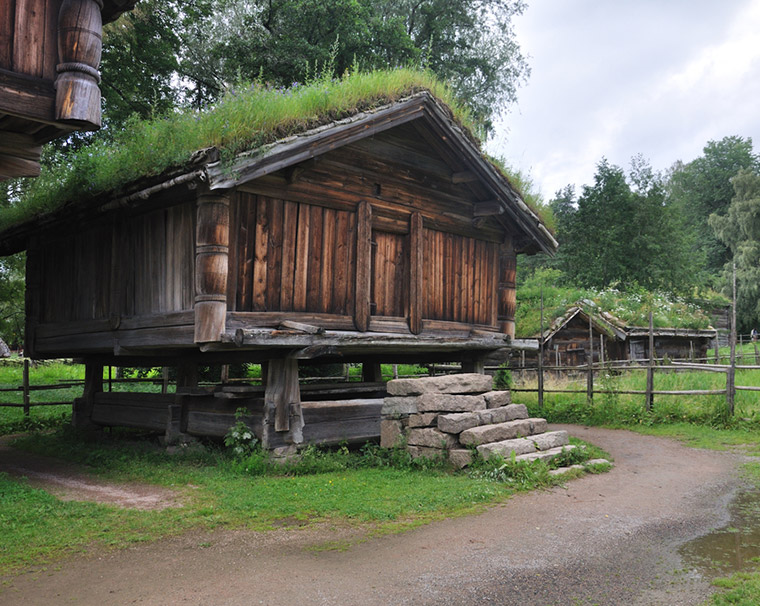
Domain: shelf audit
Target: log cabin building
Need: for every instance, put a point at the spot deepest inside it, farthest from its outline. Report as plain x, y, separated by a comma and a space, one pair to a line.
49, 79
383, 237
568, 341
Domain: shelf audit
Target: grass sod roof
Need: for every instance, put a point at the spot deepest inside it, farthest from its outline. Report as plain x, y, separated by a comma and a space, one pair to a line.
245, 119
610, 306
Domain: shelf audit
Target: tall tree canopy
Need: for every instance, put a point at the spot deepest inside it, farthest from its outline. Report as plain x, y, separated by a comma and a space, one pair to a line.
739, 230
703, 187
620, 230
189, 52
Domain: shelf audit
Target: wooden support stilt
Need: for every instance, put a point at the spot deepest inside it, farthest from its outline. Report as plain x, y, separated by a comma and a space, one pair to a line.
372, 372
187, 377
282, 401
83, 407
477, 366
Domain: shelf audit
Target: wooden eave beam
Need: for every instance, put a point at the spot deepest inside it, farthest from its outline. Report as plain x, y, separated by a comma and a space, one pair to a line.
488, 208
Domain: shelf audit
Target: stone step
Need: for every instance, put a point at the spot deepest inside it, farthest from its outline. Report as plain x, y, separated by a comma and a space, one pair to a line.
545, 455
459, 422
485, 434
521, 446
452, 384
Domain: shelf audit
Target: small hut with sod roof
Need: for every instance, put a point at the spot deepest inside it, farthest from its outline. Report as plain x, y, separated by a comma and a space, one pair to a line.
369, 230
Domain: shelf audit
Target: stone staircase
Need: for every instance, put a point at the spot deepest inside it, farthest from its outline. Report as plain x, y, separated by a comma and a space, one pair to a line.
454, 413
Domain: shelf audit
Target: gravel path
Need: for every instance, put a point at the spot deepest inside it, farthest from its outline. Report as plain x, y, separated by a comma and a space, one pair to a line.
604, 539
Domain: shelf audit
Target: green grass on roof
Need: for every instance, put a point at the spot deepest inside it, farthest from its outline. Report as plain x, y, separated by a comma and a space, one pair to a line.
246, 118
631, 307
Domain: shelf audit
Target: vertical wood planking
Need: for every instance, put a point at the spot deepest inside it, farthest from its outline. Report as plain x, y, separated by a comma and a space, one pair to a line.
341, 264
363, 265
50, 44
329, 244
302, 258
233, 277
7, 21
261, 249
314, 274
416, 272
28, 42
274, 255
288, 267
507, 292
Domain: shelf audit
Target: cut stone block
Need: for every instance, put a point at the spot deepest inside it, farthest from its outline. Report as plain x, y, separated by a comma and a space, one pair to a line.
430, 438
562, 470
502, 414
458, 422
421, 451
598, 462
494, 399
505, 448
502, 431
425, 419
460, 457
391, 433
456, 384
449, 403
550, 439
399, 406
544, 455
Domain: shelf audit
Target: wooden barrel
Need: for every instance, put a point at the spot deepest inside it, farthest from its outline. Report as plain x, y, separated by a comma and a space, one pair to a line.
507, 288
211, 260
80, 41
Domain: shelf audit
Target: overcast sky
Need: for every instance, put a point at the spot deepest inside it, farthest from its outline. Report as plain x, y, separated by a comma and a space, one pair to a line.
616, 78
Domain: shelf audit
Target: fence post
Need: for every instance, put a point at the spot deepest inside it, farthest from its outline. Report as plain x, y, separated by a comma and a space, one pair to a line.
731, 374
590, 360
541, 356
650, 367
26, 387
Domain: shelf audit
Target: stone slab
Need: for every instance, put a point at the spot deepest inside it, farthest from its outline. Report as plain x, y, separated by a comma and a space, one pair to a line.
505, 448
459, 421
398, 406
424, 419
460, 457
551, 439
598, 462
454, 384
495, 399
511, 412
428, 453
449, 403
391, 433
499, 432
430, 437
544, 455
562, 470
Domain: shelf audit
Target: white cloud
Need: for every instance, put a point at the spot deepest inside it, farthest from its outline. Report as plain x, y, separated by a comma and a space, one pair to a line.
615, 79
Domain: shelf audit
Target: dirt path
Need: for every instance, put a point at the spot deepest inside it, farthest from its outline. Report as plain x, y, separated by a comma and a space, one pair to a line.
605, 539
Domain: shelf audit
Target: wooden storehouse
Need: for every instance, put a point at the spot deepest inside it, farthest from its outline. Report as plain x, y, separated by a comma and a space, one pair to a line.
49, 79
568, 341
383, 237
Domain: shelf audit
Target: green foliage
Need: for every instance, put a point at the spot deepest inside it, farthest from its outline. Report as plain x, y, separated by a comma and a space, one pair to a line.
621, 230
703, 187
631, 306
240, 438
739, 229
246, 118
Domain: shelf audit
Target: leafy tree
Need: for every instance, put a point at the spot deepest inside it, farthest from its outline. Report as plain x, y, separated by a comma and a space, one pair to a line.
621, 232
739, 230
189, 52
703, 187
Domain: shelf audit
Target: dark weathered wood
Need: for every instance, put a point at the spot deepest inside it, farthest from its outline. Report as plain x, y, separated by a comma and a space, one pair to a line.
7, 31
310, 328
416, 271
487, 208
363, 265
507, 288
79, 46
282, 394
82, 417
372, 372
212, 248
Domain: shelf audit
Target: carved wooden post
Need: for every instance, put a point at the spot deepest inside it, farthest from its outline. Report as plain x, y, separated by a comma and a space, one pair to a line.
507, 288
363, 265
282, 397
80, 41
211, 255
83, 407
416, 292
